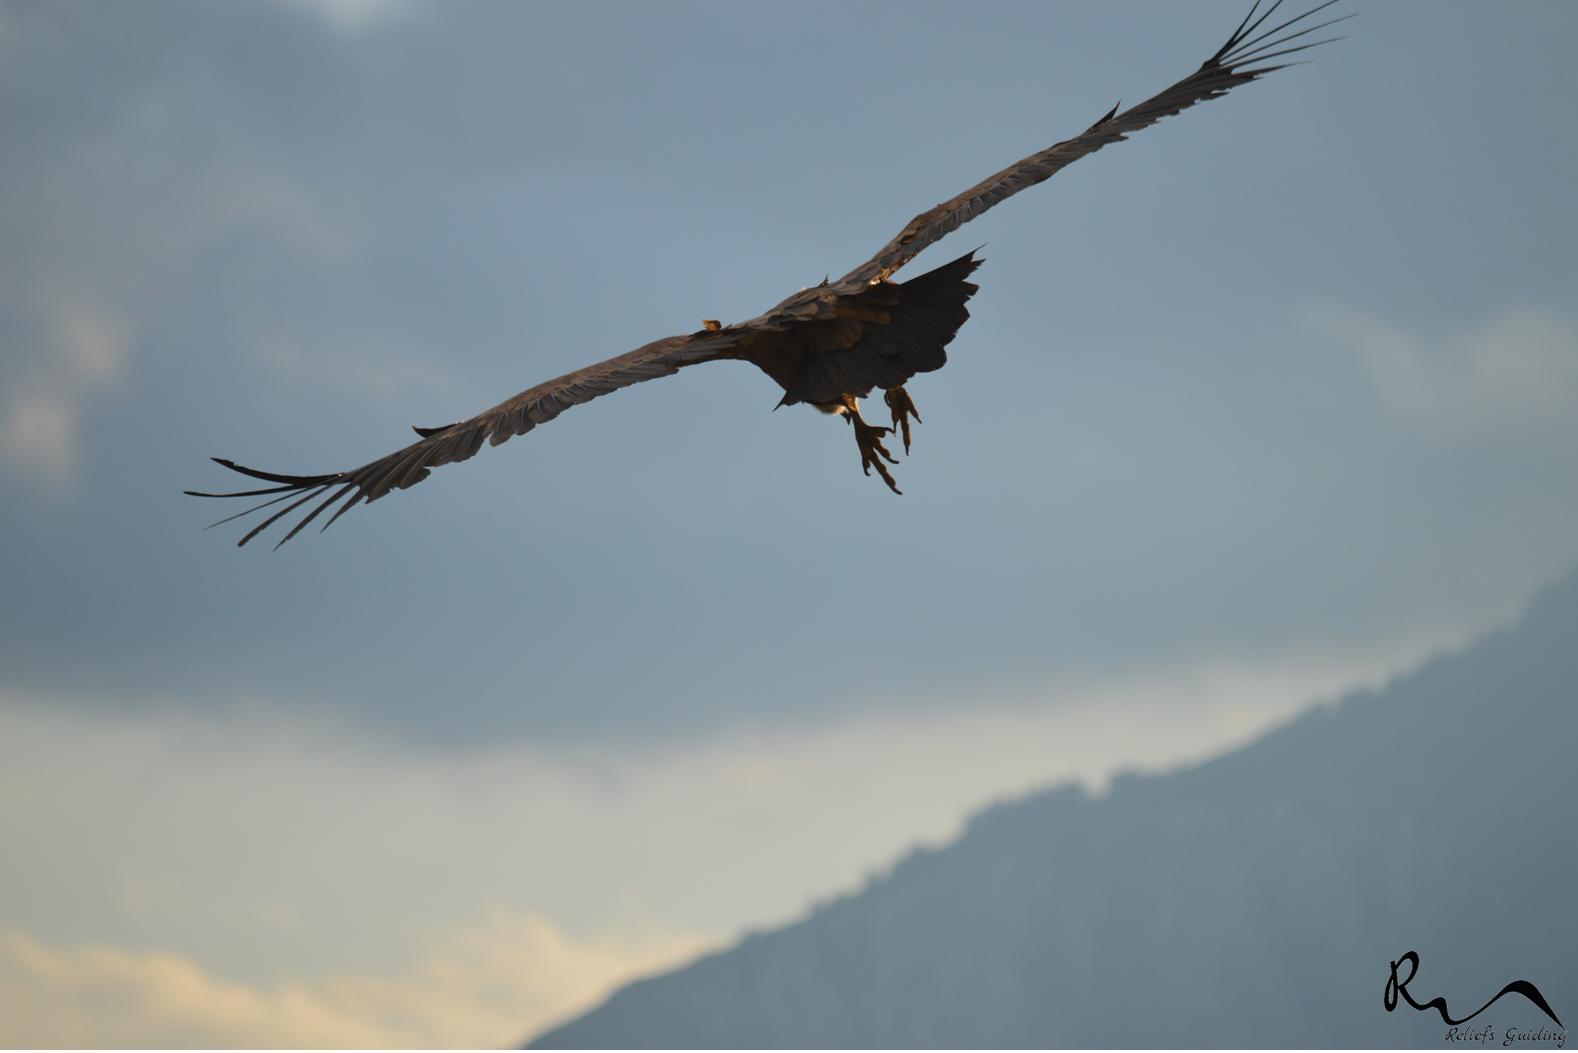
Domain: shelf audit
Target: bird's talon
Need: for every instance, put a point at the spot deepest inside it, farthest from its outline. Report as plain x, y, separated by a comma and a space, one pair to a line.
872, 451
903, 408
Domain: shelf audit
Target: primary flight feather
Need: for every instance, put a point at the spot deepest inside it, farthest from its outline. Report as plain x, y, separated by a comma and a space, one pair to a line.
828, 346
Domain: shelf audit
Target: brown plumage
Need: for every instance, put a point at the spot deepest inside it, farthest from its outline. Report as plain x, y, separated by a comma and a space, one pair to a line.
828, 346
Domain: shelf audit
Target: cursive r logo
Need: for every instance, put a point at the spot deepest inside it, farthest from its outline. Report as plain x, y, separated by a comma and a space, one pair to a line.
1398, 986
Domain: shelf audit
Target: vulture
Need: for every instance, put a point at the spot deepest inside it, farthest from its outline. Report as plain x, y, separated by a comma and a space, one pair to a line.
827, 346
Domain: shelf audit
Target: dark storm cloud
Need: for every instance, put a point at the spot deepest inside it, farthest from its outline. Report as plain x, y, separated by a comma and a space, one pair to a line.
1148, 448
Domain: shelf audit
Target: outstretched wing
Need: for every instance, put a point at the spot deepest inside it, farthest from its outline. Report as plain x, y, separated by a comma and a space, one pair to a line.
1238, 61
456, 442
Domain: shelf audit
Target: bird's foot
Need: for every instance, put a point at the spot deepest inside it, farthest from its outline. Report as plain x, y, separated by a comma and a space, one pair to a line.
872, 452
903, 408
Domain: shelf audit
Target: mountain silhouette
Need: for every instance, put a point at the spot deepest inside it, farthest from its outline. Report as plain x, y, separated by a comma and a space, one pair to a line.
1254, 900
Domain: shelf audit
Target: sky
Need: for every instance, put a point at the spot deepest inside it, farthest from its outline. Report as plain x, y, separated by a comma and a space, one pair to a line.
1272, 401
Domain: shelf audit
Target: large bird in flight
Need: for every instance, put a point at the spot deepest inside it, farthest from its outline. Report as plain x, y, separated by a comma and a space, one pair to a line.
828, 346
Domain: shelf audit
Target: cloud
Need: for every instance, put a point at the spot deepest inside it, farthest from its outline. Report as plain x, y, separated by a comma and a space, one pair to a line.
483, 985
92, 343
1518, 367
310, 887
353, 16
105, 996
380, 374
40, 425
40, 433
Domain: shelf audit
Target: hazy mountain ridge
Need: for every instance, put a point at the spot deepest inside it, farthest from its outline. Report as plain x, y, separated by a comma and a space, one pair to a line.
1254, 899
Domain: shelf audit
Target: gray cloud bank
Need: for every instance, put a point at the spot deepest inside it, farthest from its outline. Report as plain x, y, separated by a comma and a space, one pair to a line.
1185, 423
